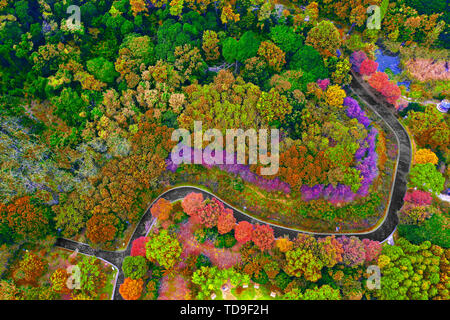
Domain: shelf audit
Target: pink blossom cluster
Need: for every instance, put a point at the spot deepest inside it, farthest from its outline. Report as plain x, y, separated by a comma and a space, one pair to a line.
174, 288
323, 84
356, 59
356, 252
221, 257
418, 197
428, 69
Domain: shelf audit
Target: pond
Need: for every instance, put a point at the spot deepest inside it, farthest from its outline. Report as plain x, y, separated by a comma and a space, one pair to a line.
385, 61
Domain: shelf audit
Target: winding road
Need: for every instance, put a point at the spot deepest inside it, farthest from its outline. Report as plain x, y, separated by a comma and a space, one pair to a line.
374, 101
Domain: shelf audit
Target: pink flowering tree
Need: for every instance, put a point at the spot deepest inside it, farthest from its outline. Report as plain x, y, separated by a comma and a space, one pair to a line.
418, 197
391, 92
354, 253
243, 232
372, 249
192, 202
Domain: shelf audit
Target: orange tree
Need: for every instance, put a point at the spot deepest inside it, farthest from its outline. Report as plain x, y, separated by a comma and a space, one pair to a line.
243, 232
102, 228
263, 237
161, 209
226, 221
131, 289
423, 156
26, 221
274, 56
120, 187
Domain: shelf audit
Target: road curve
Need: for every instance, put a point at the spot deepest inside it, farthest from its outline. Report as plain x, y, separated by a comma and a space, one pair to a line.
381, 233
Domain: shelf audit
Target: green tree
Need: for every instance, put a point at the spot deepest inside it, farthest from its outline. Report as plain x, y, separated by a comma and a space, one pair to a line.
434, 229
248, 46
69, 220
286, 38
169, 36
69, 106
324, 292
102, 69
92, 277
230, 49
134, 267
325, 38
210, 279
164, 248
303, 262
409, 271
426, 177
309, 60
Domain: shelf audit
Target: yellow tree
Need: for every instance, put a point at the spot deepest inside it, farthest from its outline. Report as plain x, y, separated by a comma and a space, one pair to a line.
210, 45
176, 7
425, 156
228, 15
335, 96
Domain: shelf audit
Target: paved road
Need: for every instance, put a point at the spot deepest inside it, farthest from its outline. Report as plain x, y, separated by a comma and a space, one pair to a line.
378, 104
386, 228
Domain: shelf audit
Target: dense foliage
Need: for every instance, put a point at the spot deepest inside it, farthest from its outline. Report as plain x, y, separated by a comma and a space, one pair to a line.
87, 113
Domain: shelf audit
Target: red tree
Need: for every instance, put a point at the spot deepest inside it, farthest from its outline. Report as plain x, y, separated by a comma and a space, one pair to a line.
368, 67
226, 221
192, 202
138, 246
243, 232
391, 91
263, 237
418, 197
378, 80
